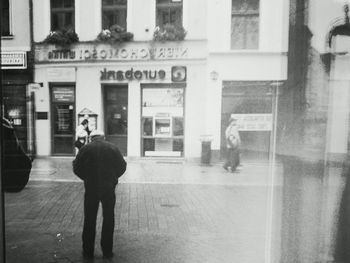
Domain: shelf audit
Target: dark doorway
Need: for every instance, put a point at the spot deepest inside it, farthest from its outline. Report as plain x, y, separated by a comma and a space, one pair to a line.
62, 120
116, 115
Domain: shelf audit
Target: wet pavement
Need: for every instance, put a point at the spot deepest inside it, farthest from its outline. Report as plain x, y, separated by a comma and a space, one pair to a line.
166, 211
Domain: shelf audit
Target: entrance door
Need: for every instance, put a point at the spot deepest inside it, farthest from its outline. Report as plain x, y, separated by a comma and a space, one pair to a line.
251, 104
116, 115
62, 116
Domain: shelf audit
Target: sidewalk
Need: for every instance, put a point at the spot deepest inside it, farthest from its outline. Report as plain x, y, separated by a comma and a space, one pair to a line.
166, 211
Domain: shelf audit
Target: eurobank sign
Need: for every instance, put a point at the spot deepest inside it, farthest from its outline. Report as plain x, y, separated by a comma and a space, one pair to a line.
133, 51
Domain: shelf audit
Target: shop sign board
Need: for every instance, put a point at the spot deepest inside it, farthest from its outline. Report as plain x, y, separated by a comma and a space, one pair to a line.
62, 95
253, 122
87, 52
13, 60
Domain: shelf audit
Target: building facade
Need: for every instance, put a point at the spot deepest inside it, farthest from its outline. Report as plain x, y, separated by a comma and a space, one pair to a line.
157, 98
17, 69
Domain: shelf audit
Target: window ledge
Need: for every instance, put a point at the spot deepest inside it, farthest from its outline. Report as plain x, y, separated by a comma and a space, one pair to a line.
8, 37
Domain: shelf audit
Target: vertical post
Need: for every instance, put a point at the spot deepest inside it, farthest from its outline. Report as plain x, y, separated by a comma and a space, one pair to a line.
271, 177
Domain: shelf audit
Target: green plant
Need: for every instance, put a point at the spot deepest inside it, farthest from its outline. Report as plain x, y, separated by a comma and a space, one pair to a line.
114, 34
169, 32
63, 37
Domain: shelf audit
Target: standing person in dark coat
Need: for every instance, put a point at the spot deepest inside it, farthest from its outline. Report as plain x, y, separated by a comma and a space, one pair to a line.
99, 164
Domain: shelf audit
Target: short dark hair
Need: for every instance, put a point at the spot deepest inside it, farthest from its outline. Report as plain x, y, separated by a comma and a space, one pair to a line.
85, 121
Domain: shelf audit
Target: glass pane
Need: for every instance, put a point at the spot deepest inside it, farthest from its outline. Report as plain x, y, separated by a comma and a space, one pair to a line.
178, 145
68, 3
253, 5
116, 111
107, 2
54, 21
178, 126
238, 32
162, 127
244, 6
163, 1
171, 97
5, 22
116, 122
68, 20
238, 5
56, 3
148, 145
63, 115
147, 125
165, 17
120, 2
252, 32
114, 17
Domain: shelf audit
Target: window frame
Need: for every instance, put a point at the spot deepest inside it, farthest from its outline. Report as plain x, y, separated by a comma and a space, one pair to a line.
246, 15
170, 6
61, 10
10, 26
114, 7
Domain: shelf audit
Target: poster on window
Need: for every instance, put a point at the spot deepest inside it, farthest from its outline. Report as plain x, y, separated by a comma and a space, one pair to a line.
253, 122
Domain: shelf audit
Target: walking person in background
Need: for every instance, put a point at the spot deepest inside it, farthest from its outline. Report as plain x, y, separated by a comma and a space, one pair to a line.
99, 164
82, 134
233, 142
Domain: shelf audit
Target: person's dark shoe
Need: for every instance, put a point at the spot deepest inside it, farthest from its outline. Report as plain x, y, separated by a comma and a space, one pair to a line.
108, 255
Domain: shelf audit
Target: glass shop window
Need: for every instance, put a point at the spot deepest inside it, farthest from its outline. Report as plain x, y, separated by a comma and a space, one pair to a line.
162, 122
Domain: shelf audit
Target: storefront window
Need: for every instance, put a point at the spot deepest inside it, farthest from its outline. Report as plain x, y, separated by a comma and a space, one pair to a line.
162, 120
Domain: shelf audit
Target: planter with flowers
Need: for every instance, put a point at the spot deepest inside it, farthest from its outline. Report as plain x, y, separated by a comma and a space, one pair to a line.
169, 32
64, 37
115, 34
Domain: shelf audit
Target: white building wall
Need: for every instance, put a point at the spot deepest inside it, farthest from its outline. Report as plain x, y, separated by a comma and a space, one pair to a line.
42, 104
20, 25
268, 62
273, 30
41, 20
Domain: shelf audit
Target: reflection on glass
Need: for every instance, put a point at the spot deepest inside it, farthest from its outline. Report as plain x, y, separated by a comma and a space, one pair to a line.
147, 124
178, 126
116, 123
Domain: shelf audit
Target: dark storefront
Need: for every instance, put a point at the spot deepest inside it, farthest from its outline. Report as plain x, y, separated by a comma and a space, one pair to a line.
17, 102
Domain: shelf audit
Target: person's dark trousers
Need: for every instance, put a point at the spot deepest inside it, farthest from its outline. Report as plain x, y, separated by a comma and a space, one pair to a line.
228, 162
91, 203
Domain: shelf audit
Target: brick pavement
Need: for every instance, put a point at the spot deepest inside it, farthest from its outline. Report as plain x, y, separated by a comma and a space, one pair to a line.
157, 220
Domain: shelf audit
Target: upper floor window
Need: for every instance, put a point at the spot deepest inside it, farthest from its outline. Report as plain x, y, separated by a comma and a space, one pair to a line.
114, 13
245, 24
169, 12
5, 18
62, 14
